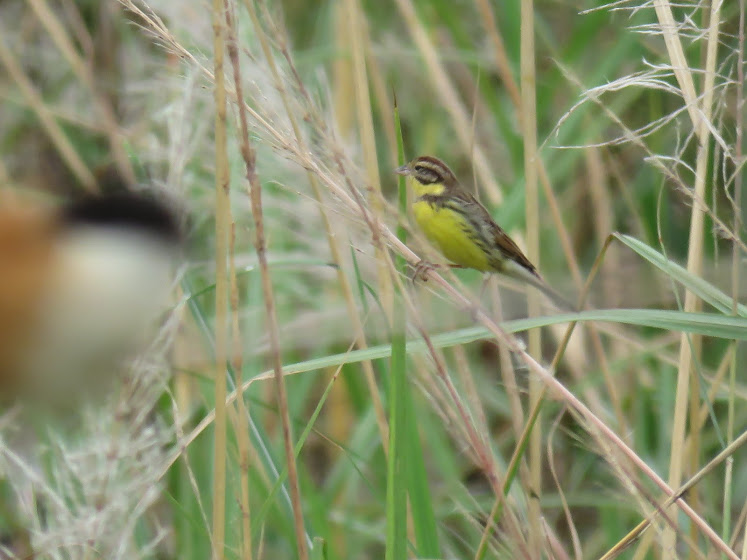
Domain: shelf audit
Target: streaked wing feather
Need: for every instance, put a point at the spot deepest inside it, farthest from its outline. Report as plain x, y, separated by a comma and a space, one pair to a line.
503, 242
511, 250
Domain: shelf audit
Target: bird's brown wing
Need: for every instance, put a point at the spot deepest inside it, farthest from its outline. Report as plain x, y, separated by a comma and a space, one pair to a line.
511, 250
508, 248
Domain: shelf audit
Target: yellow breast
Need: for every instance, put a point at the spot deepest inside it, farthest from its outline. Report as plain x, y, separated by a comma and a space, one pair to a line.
450, 232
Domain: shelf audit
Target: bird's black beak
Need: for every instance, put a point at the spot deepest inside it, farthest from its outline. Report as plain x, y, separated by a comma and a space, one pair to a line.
404, 170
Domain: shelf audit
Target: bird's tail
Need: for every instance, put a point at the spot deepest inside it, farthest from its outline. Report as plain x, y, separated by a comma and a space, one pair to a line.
535, 280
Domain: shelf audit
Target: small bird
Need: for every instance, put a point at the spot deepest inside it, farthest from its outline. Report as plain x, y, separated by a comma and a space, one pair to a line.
462, 229
80, 284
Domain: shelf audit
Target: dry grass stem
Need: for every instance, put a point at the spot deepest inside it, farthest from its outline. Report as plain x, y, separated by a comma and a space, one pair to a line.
368, 141
529, 135
450, 99
241, 416
56, 134
687, 381
332, 241
255, 195
84, 73
488, 21
222, 227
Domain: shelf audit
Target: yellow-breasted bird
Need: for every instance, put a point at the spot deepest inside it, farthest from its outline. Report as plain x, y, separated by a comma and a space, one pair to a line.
462, 229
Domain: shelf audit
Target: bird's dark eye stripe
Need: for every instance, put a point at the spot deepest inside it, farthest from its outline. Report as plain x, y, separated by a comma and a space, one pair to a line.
426, 175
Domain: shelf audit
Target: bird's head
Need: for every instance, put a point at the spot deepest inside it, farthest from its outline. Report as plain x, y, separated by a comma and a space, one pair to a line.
428, 175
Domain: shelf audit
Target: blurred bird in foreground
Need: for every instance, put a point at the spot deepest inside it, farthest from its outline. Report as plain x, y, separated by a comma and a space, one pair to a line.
79, 286
462, 229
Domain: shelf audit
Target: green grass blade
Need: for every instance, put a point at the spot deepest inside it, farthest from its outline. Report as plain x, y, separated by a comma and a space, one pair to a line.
396, 494
704, 290
319, 549
707, 324
421, 504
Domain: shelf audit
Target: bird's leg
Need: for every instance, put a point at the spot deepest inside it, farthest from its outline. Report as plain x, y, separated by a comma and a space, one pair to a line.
421, 270
423, 267
485, 283
475, 306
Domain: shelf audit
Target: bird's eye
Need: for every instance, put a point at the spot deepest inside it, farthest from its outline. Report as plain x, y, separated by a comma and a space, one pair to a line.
426, 175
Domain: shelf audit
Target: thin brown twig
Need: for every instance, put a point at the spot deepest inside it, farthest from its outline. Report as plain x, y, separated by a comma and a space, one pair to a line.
736, 269
482, 451
255, 194
528, 82
368, 140
242, 415
222, 222
575, 541
661, 509
334, 246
